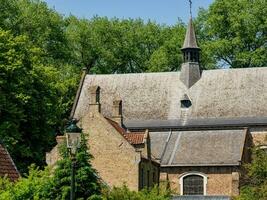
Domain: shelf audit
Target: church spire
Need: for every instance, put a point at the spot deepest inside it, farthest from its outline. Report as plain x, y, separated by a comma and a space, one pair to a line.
190, 48
190, 69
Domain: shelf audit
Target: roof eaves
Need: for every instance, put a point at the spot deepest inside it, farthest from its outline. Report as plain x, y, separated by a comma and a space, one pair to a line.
202, 165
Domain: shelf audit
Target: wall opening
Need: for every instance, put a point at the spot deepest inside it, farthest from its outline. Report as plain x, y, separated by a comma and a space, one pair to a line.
193, 185
186, 103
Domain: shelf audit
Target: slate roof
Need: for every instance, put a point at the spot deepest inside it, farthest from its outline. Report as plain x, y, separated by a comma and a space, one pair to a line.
223, 94
132, 138
7, 166
198, 148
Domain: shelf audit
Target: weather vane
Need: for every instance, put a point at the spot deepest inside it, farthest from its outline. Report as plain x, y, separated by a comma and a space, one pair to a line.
190, 2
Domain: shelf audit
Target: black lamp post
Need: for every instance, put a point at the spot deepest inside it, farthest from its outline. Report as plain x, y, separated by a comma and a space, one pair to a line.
73, 137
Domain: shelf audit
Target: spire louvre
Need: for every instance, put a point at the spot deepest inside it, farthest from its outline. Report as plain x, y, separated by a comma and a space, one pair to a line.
190, 48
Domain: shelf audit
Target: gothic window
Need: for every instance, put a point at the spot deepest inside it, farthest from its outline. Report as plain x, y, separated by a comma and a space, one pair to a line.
120, 108
194, 59
187, 57
98, 95
142, 178
148, 178
193, 185
154, 177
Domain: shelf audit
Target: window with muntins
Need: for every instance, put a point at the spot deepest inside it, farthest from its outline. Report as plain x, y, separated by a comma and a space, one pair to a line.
193, 185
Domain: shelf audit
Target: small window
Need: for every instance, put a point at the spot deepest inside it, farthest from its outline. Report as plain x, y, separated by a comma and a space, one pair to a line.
193, 185
186, 103
97, 95
187, 57
120, 108
148, 178
142, 179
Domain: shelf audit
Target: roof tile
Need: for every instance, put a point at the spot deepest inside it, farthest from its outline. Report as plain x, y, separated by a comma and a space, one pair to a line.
7, 166
132, 138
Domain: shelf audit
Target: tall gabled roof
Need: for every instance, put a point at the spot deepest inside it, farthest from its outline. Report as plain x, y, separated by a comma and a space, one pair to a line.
190, 41
7, 166
226, 94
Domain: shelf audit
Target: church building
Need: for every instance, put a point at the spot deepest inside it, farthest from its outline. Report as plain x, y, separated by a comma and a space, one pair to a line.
192, 129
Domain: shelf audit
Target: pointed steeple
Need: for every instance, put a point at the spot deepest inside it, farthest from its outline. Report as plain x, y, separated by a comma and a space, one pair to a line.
190, 38
190, 69
190, 47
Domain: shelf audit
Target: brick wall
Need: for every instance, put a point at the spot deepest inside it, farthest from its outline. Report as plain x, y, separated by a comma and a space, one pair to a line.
259, 137
220, 180
116, 161
148, 174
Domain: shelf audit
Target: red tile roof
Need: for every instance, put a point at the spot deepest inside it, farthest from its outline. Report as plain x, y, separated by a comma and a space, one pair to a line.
7, 166
135, 138
132, 138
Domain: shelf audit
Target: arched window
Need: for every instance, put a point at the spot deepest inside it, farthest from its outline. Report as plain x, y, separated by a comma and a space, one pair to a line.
193, 184
97, 96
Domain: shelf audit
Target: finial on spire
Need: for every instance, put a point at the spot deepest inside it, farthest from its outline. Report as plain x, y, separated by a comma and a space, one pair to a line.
190, 2
190, 47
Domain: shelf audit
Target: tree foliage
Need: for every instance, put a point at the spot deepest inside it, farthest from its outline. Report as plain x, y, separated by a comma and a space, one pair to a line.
42, 53
234, 33
255, 187
122, 193
55, 183
87, 182
124, 46
35, 93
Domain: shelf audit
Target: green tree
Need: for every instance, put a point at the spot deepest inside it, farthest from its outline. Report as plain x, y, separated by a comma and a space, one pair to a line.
27, 101
234, 33
55, 183
36, 185
122, 193
124, 46
36, 82
87, 182
255, 187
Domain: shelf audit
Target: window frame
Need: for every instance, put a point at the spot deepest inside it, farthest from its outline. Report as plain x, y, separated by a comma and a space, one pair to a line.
205, 180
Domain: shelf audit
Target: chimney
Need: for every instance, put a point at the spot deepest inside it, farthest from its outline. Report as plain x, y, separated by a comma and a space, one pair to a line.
94, 105
117, 112
190, 70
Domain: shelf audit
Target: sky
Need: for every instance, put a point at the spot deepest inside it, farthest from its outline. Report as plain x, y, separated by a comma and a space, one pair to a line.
161, 11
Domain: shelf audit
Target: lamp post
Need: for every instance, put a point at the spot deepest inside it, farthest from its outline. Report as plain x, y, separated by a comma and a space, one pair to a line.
73, 137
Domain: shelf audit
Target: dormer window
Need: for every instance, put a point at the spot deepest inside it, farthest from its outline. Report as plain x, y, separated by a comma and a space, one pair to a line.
185, 102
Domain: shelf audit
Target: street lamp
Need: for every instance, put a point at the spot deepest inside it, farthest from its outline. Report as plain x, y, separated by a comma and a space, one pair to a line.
73, 137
